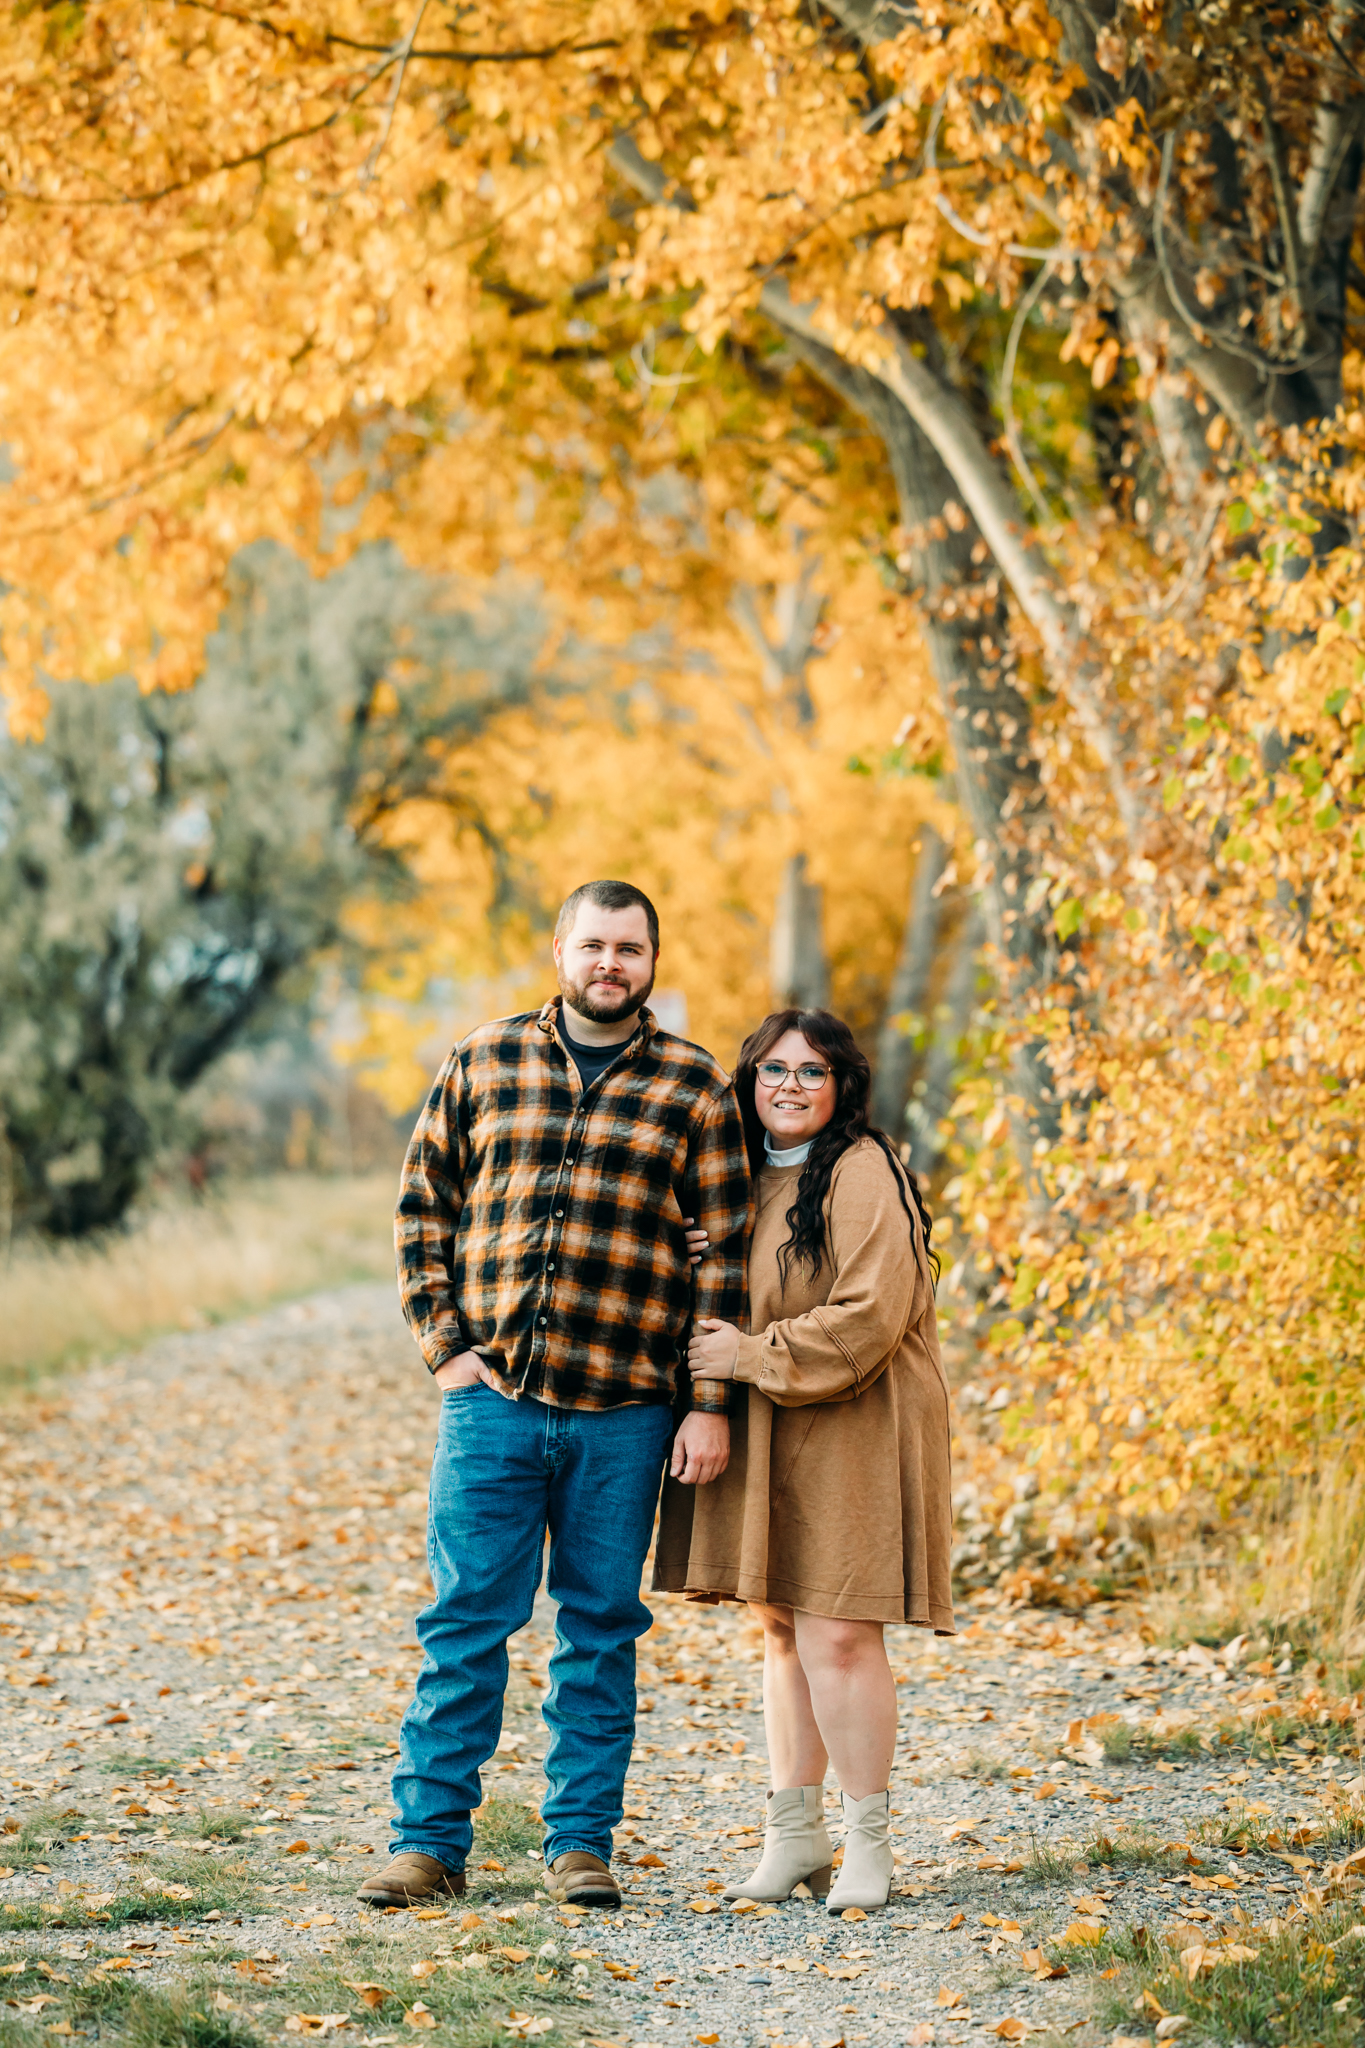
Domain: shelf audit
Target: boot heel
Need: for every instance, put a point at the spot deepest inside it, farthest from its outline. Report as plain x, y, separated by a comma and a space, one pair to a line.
820, 1880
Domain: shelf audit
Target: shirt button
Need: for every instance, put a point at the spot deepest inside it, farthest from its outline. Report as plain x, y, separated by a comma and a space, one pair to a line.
543, 1321
549, 1265
559, 1212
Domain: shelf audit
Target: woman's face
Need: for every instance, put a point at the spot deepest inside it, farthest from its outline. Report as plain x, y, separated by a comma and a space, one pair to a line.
793, 1109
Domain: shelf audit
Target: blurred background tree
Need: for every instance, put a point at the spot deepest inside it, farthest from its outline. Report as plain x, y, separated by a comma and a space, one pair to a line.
173, 869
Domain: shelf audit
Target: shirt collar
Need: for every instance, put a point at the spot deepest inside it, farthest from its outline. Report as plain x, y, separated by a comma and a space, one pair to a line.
793, 1155
550, 1021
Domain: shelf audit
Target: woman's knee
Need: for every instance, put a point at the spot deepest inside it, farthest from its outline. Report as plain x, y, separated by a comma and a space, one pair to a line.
779, 1626
827, 1640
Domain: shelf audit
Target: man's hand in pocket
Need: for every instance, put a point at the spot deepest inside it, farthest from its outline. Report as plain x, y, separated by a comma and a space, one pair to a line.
463, 1372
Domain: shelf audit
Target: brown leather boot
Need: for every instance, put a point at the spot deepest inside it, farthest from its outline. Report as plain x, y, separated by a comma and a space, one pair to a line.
411, 1880
577, 1879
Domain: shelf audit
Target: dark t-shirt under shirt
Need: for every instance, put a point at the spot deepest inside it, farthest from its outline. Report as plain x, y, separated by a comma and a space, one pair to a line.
590, 1060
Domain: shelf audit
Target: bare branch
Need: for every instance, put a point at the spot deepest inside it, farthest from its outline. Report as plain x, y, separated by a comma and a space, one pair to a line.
1012, 440
1272, 366
404, 53
332, 40
1279, 179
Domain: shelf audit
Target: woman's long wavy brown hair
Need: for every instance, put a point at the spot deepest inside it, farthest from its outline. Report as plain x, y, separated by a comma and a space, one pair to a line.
832, 1039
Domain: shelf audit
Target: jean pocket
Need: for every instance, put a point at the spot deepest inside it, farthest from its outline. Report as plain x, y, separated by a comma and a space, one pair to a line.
454, 1393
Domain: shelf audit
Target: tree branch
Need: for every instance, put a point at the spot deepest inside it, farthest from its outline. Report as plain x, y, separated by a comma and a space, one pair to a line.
371, 163
936, 410
1334, 128
1294, 269
331, 39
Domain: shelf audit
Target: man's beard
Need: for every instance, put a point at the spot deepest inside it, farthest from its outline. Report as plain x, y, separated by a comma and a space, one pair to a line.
579, 997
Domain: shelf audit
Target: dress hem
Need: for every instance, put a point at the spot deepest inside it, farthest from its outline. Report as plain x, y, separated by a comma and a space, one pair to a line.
744, 1587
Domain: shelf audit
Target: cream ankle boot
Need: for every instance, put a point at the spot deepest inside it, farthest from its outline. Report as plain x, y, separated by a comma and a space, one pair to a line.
865, 1874
796, 1848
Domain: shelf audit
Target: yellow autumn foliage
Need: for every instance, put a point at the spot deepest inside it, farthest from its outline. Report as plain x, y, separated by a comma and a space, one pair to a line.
1184, 1295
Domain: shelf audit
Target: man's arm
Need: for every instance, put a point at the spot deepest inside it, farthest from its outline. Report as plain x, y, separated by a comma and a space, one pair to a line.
718, 1191
430, 1201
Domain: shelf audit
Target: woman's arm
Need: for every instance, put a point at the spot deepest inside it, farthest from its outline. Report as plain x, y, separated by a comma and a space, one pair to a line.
842, 1346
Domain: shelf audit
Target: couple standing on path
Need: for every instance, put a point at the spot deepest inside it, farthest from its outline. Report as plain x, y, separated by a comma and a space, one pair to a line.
550, 1278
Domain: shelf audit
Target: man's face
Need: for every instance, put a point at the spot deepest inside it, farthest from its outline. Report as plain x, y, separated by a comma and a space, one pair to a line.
606, 963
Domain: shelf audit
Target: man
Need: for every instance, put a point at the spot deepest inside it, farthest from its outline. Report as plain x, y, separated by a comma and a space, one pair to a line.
545, 1275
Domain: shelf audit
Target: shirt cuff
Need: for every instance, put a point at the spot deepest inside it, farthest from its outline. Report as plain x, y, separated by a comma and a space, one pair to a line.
711, 1397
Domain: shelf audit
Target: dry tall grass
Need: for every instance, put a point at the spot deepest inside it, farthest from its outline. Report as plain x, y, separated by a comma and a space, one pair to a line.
196, 1261
1296, 1574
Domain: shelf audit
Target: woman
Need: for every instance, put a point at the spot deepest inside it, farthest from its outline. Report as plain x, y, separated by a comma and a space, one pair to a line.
833, 1516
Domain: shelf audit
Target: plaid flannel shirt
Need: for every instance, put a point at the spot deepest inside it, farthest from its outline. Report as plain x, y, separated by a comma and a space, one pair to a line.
540, 1223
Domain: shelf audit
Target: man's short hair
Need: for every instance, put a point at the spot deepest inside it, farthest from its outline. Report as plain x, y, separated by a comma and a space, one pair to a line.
607, 896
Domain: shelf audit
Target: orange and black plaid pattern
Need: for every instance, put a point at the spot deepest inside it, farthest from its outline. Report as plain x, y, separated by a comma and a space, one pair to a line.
541, 1224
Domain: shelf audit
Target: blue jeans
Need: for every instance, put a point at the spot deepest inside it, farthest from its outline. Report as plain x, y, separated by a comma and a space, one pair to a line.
504, 1472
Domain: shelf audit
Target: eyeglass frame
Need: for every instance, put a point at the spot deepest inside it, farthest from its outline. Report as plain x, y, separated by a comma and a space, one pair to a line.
793, 1074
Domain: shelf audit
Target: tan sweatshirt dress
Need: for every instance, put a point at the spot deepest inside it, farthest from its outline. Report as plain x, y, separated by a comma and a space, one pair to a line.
838, 1495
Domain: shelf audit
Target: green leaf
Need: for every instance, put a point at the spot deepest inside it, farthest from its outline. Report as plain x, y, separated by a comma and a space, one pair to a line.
856, 765
1171, 791
1328, 816
1240, 516
1025, 1286
1067, 918
1336, 702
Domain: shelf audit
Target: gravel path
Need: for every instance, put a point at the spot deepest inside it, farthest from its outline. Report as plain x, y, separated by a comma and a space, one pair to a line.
211, 1558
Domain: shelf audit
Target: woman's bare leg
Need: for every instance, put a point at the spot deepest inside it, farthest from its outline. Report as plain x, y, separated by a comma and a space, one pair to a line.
796, 1754
850, 1696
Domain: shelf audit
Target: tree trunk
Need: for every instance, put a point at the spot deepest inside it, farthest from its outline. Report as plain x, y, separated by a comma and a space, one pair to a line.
908, 993
928, 1109
966, 627
800, 970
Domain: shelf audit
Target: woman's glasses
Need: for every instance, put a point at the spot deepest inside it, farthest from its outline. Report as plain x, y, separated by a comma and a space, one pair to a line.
772, 1074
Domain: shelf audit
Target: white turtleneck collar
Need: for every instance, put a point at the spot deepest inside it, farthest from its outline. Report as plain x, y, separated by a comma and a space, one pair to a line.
795, 1155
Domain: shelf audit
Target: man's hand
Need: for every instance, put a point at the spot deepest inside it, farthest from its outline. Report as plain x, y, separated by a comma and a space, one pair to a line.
712, 1350
463, 1372
701, 1449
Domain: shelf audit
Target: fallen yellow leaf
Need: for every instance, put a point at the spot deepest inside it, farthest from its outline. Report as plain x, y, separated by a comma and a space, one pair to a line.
370, 1994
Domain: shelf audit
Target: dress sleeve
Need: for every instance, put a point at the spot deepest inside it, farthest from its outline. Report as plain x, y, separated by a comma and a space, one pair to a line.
832, 1352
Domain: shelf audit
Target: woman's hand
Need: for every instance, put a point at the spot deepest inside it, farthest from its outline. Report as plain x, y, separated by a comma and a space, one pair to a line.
713, 1349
